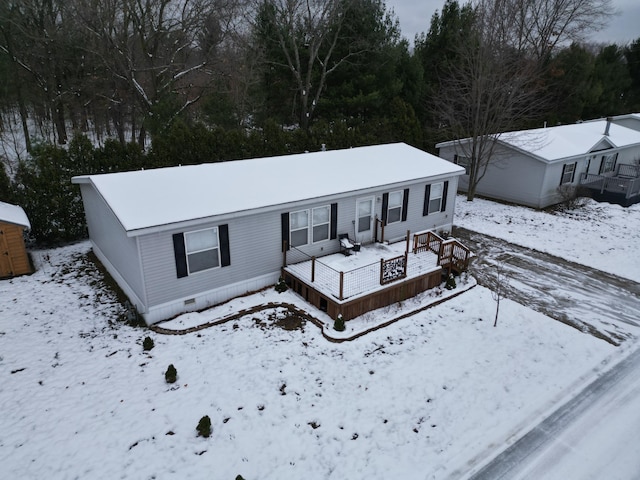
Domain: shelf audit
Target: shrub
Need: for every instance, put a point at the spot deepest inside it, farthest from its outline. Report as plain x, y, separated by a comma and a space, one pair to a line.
147, 344
451, 282
281, 286
171, 375
338, 325
204, 427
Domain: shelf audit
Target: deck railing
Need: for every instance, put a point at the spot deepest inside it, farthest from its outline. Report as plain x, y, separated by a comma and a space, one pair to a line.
452, 255
627, 186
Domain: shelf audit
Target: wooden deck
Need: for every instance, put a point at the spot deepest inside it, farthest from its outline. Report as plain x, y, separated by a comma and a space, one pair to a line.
621, 187
377, 276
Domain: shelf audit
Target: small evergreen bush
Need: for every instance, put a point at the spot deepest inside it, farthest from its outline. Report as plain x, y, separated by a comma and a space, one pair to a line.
451, 282
171, 375
281, 286
204, 427
147, 344
338, 325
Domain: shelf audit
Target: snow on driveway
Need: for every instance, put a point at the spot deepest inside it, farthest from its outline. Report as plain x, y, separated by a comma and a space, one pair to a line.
592, 301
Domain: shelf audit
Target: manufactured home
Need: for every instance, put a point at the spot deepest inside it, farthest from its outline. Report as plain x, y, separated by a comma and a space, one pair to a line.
536, 167
14, 259
185, 238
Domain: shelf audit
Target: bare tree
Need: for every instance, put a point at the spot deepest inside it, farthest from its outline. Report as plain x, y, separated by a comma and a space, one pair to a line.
159, 53
496, 83
306, 33
500, 288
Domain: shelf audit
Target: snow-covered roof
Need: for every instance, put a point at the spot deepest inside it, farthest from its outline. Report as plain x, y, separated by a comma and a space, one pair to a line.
150, 198
13, 214
565, 141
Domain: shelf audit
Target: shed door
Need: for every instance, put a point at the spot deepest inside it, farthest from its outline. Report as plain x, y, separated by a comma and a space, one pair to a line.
6, 269
364, 220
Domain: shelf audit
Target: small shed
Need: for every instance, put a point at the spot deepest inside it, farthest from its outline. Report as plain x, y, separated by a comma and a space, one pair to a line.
14, 260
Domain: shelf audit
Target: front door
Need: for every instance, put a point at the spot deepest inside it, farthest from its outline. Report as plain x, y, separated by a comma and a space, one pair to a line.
364, 220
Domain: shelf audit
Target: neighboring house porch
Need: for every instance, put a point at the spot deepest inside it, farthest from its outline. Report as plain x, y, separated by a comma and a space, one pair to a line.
622, 186
377, 275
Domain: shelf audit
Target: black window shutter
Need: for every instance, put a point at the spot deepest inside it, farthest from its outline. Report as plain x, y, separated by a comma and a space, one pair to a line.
455, 159
385, 206
180, 255
564, 167
425, 207
573, 174
225, 253
334, 221
445, 190
405, 204
285, 230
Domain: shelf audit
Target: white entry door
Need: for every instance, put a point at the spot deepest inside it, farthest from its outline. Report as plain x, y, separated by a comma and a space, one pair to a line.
364, 220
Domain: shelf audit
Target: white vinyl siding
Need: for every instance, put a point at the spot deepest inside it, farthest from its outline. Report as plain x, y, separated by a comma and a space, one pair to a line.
202, 250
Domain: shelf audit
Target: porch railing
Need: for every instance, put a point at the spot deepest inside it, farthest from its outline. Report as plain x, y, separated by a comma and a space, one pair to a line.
452, 255
615, 184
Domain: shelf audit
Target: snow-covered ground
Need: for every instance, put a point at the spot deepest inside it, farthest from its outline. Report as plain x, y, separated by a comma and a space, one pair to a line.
599, 235
419, 399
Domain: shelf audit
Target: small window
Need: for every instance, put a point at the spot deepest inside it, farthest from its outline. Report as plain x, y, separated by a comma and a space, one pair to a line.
435, 197
321, 218
394, 209
608, 163
463, 162
299, 228
568, 172
202, 250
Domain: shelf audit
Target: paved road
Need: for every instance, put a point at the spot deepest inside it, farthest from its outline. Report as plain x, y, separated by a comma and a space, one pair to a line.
594, 436
593, 301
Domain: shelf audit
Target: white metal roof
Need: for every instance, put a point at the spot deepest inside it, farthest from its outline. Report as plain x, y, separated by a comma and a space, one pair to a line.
149, 198
566, 141
13, 214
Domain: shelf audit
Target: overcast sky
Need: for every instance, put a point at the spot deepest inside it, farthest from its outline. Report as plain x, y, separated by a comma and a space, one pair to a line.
415, 17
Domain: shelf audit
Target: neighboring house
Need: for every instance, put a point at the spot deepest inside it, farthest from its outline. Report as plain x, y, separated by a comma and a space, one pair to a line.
533, 167
13, 253
185, 238
630, 120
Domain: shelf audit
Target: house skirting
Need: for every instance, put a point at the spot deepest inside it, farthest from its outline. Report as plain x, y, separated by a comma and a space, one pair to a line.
203, 300
352, 308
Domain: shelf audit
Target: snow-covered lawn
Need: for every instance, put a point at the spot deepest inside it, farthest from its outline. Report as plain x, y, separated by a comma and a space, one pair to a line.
599, 235
418, 399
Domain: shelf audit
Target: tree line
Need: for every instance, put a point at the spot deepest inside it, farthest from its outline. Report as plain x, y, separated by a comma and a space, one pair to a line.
164, 82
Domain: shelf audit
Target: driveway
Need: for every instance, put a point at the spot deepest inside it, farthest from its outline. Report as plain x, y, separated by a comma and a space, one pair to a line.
590, 300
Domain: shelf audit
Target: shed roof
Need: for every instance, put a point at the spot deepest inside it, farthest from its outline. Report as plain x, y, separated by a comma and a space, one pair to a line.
13, 214
149, 198
565, 141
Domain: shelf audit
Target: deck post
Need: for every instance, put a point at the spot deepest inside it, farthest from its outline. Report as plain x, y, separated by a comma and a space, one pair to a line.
408, 235
406, 260
381, 268
313, 269
341, 285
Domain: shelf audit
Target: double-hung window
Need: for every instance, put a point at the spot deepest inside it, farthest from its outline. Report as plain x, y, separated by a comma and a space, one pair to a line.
435, 197
321, 219
394, 209
299, 227
202, 249
568, 173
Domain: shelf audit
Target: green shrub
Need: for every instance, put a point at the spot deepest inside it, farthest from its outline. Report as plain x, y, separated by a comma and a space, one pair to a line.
204, 427
171, 375
281, 286
451, 282
147, 344
338, 325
